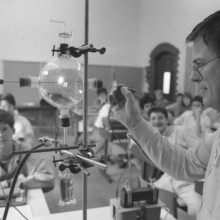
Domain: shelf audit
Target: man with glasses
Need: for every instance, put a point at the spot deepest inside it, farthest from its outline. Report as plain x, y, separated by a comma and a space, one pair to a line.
203, 159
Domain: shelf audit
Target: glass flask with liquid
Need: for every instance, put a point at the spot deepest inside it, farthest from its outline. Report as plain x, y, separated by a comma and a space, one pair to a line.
66, 182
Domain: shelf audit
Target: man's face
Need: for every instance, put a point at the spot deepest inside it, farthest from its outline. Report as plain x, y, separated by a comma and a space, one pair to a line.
147, 107
196, 105
209, 84
186, 101
6, 106
159, 121
6, 133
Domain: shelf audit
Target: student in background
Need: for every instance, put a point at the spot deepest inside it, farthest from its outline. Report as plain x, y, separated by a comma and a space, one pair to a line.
198, 120
23, 128
160, 99
187, 101
102, 98
146, 103
176, 108
35, 172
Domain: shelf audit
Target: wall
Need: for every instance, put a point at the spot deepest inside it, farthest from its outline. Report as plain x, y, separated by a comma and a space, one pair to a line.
129, 29
27, 33
171, 21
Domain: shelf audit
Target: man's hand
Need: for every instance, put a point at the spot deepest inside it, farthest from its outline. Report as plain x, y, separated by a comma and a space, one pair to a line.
127, 111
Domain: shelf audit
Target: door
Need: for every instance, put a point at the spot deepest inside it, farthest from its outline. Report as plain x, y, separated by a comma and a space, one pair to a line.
163, 65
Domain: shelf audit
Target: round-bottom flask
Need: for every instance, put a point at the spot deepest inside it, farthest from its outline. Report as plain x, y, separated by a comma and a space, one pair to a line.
66, 188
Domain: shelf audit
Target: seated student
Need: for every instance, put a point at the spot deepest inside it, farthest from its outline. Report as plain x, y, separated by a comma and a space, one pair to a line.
184, 190
146, 103
198, 120
102, 98
98, 131
35, 173
177, 107
104, 107
187, 101
160, 98
23, 128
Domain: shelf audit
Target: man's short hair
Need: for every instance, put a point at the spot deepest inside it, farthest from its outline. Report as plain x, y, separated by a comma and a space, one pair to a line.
209, 31
144, 100
198, 98
158, 110
9, 98
7, 118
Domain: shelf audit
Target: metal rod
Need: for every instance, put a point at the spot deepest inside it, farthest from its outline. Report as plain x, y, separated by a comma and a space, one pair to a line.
44, 150
67, 153
96, 163
85, 106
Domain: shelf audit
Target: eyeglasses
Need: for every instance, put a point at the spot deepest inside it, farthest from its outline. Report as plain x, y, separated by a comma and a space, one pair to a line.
195, 74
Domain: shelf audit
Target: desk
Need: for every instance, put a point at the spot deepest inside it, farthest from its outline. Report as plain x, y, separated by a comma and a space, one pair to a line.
37, 201
36, 206
101, 213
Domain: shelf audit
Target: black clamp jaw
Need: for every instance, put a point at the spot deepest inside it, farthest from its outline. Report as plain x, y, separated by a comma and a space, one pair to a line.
77, 52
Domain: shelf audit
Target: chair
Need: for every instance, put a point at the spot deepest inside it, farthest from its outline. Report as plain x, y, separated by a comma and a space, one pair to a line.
182, 215
169, 199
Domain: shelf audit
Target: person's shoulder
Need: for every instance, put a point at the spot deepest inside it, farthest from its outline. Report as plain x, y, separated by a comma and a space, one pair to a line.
211, 111
184, 116
22, 118
179, 128
106, 106
186, 137
20, 145
187, 113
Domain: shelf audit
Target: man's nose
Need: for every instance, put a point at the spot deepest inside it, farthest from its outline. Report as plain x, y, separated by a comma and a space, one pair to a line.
195, 76
156, 122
